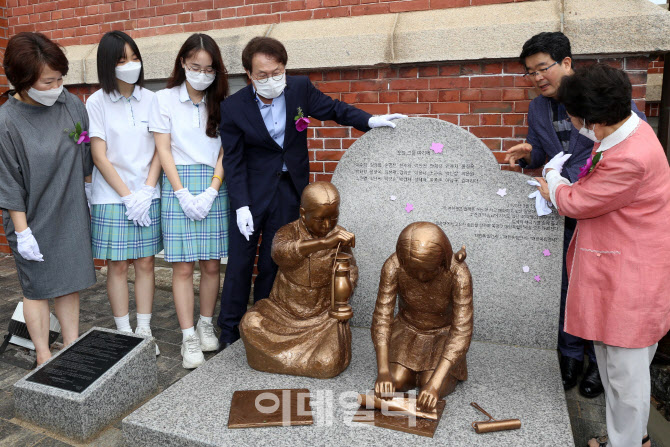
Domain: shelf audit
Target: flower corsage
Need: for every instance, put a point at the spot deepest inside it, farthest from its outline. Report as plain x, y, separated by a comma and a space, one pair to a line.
301, 122
590, 165
78, 135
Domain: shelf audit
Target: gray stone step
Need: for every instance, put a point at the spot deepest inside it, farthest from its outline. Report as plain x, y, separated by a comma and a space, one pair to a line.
507, 381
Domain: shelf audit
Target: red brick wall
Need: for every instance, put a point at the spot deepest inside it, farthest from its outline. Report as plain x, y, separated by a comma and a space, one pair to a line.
74, 22
655, 67
489, 99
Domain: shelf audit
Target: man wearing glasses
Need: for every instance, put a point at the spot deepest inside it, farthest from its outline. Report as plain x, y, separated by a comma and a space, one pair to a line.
548, 59
266, 166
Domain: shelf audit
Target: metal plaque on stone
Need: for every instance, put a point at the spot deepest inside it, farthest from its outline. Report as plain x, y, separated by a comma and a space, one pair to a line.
89, 384
85, 361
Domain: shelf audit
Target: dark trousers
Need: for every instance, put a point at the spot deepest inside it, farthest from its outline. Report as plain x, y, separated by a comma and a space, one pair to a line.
283, 208
570, 345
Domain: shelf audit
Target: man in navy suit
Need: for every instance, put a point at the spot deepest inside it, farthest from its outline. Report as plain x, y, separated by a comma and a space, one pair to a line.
547, 58
266, 166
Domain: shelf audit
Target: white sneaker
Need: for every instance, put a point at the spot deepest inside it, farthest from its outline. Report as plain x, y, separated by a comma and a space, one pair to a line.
208, 339
191, 352
146, 332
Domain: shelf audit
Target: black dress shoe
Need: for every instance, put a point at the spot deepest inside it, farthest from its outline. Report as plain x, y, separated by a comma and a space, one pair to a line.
591, 386
570, 369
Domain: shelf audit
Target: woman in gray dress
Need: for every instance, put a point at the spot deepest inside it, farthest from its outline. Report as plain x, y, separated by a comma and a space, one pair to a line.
44, 159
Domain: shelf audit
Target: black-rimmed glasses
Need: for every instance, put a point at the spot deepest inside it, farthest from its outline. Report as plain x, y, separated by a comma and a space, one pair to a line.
541, 71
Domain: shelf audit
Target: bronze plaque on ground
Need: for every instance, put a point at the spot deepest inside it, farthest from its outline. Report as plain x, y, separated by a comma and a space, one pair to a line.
400, 422
270, 408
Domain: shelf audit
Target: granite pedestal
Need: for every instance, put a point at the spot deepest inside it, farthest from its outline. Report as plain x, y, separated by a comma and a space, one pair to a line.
507, 381
81, 415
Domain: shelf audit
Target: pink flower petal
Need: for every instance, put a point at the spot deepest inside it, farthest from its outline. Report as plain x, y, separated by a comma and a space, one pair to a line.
537, 278
301, 124
585, 169
546, 252
436, 147
409, 207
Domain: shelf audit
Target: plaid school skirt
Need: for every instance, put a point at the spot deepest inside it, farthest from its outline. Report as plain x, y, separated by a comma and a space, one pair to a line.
186, 240
116, 238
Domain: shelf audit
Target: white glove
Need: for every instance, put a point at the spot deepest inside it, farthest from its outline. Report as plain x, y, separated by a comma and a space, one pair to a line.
245, 222
139, 210
145, 220
384, 120
556, 163
87, 190
187, 202
542, 207
129, 202
204, 200
27, 246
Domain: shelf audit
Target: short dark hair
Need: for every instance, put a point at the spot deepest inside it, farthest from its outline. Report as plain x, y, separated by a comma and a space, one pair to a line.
555, 44
111, 50
216, 92
263, 45
598, 94
27, 54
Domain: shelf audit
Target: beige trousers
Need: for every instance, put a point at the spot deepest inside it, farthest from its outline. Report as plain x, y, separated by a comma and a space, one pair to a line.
625, 376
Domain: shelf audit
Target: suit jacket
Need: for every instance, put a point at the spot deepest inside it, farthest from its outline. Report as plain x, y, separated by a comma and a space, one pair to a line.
618, 262
252, 160
543, 138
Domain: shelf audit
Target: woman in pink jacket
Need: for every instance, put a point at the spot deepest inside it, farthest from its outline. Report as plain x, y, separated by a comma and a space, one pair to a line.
617, 261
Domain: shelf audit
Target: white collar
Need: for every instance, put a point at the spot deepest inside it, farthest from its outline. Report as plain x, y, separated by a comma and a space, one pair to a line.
183, 94
137, 94
620, 134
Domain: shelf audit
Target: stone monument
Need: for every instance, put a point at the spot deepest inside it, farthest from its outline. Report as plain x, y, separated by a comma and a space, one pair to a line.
430, 170
86, 386
424, 170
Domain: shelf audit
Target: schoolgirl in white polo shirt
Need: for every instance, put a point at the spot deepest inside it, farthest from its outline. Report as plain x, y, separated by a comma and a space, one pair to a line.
185, 119
125, 197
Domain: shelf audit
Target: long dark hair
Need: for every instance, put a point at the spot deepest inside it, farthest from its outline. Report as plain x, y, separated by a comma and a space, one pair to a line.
216, 92
111, 50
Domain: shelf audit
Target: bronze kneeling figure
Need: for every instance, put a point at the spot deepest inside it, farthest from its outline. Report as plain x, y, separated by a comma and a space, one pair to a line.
425, 344
292, 332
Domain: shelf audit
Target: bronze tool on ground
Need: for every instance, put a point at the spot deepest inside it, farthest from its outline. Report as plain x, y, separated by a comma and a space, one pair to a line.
493, 424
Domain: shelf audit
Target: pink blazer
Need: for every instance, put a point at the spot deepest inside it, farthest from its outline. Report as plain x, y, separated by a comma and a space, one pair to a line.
619, 258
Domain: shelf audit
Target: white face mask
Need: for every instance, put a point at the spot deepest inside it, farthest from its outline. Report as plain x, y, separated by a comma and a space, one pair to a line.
589, 133
129, 72
45, 97
199, 80
270, 89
